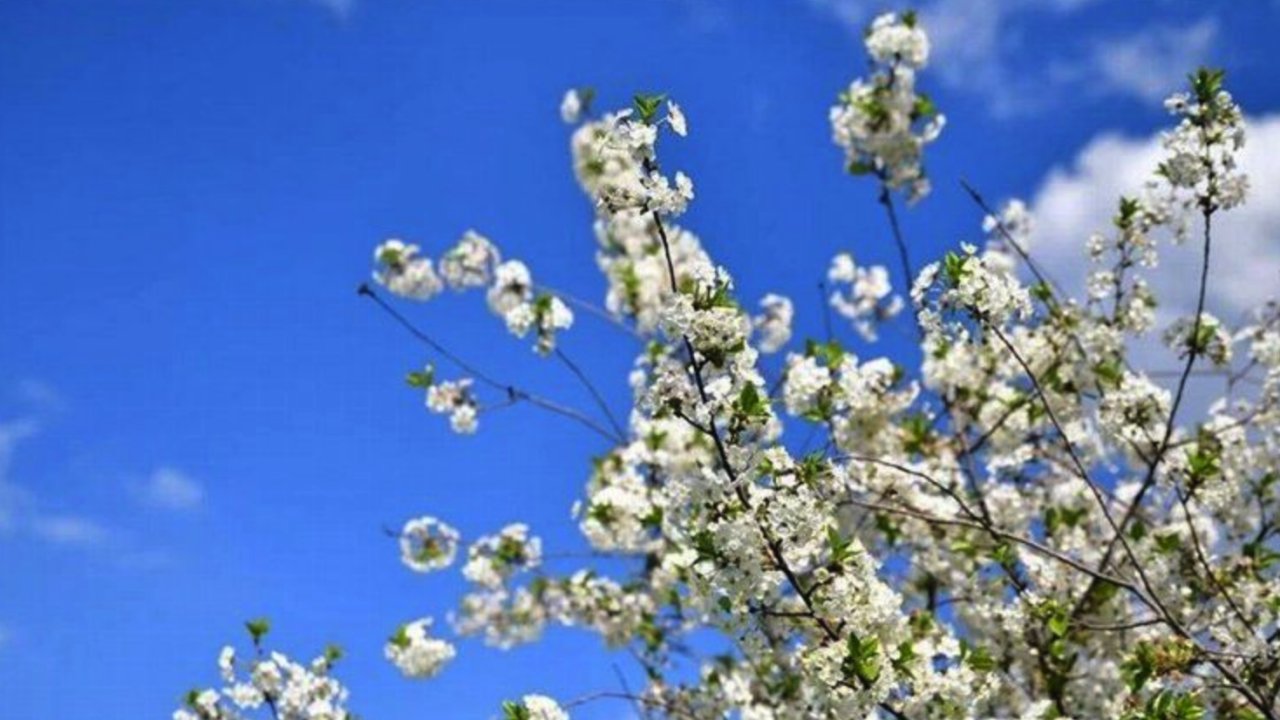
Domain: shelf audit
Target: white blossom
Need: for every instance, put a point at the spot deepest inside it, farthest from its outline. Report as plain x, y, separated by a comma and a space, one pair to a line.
773, 325
862, 295
881, 122
404, 272
470, 263
571, 106
541, 707
676, 119
416, 653
427, 544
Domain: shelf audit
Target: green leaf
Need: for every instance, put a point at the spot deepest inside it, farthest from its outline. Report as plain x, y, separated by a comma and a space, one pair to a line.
977, 657
1004, 555
647, 106
918, 430
1168, 705
510, 551
906, 656
1168, 543
1130, 208
1140, 667
389, 257
1202, 463
421, 379
704, 542
831, 353
861, 167
1110, 372
1058, 623
333, 653
400, 638
751, 404
841, 549
965, 547
653, 519
258, 629
812, 467
587, 95
603, 513
863, 660
1206, 83
887, 527
512, 710
541, 305
954, 268
924, 107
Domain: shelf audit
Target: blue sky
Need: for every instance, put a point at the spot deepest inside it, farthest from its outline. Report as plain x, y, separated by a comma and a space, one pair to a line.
199, 420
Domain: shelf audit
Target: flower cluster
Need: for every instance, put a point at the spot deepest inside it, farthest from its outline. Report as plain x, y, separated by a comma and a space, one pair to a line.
416, 653
475, 262
882, 122
620, 512
269, 684
1205, 335
616, 159
544, 315
1008, 233
1030, 524
862, 295
427, 544
533, 707
773, 324
969, 282
1031, 481
403, 271
448, 397
493, 559
1201, 151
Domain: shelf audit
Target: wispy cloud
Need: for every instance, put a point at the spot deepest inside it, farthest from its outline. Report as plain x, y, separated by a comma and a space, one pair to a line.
12, 433
1149, 64
980, 46
1079, 199
341, 8
171, 489
39, 395
13, 498
69, 530
27, 514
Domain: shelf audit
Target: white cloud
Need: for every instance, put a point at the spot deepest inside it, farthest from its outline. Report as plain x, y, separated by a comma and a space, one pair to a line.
12, 433
68, 530
1075, 201
13, 499
26, 514
1153, 62
980, 46
1078, 200
340, 8
40, 395
171, 489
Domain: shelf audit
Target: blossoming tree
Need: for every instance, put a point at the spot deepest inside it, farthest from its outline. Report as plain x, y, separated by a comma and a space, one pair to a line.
1024, 526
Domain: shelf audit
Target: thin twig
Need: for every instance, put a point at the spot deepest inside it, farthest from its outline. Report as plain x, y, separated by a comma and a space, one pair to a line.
1041, 275
591, 309
513, 393
591, 388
